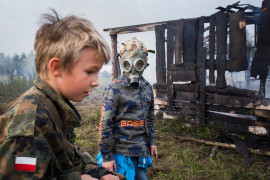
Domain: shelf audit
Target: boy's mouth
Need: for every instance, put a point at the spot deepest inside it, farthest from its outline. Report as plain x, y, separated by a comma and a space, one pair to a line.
86, 94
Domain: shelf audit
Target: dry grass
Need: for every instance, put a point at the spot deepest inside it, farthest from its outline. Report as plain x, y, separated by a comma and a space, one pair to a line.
177, 160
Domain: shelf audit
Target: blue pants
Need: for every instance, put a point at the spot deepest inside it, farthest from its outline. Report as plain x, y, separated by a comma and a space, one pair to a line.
134, 168
140, 173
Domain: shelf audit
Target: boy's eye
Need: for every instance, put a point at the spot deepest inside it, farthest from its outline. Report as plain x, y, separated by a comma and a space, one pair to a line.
89, 72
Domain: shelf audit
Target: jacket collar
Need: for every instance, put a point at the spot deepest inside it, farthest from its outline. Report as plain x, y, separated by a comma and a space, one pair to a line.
67, 111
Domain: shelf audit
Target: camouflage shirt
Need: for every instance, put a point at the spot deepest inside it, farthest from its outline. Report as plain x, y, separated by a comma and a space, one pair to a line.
127, 119
33, 146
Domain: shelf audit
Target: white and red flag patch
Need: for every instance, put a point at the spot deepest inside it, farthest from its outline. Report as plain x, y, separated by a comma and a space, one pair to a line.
25, 164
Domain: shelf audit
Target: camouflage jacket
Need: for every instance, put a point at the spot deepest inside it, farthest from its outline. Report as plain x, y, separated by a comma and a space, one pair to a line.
127, 119
33, 146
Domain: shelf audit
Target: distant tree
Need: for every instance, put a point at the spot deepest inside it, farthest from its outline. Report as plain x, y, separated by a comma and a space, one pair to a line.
16, 64
28, 65
23, 64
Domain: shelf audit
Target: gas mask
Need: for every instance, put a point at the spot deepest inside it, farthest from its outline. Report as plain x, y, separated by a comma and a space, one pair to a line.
134, 65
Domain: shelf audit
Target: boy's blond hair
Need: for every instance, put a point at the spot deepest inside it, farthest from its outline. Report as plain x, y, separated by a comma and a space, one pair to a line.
64, 38
133, 45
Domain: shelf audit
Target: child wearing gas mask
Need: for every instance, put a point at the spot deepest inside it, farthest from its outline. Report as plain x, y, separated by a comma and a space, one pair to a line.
127, 117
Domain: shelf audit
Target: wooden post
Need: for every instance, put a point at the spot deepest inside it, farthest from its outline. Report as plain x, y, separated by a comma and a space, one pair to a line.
189, 41
256, 29
160, 54
170, 43
237, 47
221, 23
170, 55
212, 47
179, 27
248, 70
116, 72
262, 88
201, 56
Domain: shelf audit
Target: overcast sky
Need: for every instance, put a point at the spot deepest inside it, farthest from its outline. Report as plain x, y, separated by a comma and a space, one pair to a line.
19, 18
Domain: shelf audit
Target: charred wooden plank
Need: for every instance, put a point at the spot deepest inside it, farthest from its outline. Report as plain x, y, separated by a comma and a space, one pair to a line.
237, 101
161, 95
170, 55
171, 114
237, 47
237, 124
170, 90
183, 72
177, 87
212, 46
264, 114
185, 96
160, 54
229, 109
248, 70
184, 75
184, 87
189, 105
201, 53
189, 41
160, 101
160, 85
170, 43
183, 66
215, 64
179, 28
178, 109
162, 90
233, 91
234, 101
115, 63
134, 28
221, 31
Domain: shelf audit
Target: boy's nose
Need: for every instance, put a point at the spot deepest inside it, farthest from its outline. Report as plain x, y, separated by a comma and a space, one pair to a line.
95, 83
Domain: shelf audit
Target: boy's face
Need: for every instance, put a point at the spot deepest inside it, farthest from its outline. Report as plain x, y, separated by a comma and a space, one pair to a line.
77, 84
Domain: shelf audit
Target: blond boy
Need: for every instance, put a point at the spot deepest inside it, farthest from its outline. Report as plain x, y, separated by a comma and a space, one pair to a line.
36, 135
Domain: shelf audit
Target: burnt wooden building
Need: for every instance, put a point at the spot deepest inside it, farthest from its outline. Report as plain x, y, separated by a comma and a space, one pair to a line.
191, 52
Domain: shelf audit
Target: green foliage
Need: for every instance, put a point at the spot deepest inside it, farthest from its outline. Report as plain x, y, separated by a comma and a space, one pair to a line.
182, 126
11, 88
14, 86
94, 119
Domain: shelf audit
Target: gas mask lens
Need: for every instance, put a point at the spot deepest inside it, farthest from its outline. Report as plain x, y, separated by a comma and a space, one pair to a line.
126, 66
139, 65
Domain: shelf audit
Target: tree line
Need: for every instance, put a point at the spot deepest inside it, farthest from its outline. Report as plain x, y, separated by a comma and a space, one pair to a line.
18, 65
24, 65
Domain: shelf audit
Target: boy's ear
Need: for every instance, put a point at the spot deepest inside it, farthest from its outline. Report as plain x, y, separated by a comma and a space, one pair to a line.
55, 67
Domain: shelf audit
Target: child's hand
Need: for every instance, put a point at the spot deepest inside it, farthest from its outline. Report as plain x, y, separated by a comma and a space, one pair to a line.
111, 165
109, 177
153, 150
87, 177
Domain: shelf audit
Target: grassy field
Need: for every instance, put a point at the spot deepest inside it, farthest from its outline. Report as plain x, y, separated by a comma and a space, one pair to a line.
177, 159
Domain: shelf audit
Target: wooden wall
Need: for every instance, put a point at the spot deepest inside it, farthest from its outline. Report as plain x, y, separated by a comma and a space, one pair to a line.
182, 59
182, 89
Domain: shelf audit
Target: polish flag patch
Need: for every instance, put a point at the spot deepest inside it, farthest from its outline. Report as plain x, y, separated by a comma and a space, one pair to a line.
25, 164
